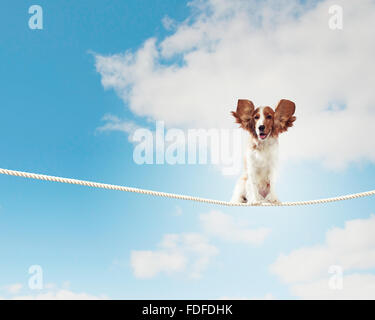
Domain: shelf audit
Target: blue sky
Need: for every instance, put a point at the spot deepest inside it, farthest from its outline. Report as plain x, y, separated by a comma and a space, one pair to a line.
54, 98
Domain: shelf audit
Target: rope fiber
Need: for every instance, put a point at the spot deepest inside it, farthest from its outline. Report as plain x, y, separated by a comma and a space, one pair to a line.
177, 196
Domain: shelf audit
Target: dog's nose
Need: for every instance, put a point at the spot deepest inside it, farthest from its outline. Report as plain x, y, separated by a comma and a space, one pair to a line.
261, 128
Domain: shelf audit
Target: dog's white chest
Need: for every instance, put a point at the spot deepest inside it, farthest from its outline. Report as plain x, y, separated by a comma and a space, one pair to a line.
263, 157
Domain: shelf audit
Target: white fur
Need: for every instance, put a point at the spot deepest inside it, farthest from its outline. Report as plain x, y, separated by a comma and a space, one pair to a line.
260, 121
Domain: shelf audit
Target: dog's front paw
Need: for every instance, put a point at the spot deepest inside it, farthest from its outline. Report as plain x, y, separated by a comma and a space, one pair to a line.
238, 199
254, 199
275, 201
272, 199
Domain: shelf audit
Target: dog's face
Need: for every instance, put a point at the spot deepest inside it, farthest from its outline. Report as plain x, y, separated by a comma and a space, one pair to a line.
264, 122
263, 119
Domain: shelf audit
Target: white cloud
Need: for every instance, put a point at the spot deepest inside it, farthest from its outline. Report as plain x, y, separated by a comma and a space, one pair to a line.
267, 296
226, 228
263, 51
355, 286
49, 292
168, 23
50, 285
61, 294
114, 123
13, 288
352, 248
190, 252
147, 264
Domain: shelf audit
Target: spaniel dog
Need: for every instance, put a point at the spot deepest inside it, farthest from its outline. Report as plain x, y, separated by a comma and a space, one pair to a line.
257, 183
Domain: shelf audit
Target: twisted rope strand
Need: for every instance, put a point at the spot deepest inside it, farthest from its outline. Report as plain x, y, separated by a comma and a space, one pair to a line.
178, 196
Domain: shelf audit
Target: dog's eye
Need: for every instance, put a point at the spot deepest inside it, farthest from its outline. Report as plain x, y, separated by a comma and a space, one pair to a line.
256, 117
269, 117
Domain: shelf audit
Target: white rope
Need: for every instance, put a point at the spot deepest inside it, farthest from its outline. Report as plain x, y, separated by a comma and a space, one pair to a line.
177, 196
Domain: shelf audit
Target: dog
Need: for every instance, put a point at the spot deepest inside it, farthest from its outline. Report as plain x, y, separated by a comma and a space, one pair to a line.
257, 182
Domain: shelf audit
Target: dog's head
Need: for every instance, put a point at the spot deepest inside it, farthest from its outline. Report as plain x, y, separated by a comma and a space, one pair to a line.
264, 122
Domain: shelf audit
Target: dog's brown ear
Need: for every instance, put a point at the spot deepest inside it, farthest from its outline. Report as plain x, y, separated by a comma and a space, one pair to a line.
245, 109
284, 116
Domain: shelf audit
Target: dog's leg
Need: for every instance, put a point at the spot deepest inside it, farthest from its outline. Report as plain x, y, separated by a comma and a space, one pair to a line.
239, 193
271, 196
253, 196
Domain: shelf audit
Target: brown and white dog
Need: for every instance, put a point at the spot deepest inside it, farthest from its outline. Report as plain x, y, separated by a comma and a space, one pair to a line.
257, 183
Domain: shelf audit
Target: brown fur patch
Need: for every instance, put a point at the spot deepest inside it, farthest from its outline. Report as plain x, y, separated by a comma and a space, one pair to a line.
284, 117
244, 115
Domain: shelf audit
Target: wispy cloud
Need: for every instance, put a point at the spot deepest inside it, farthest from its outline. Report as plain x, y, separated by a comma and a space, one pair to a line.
168, 23
178, 211
13, 288
268, 296
225, 227
114, 123
61, 294
50, 291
